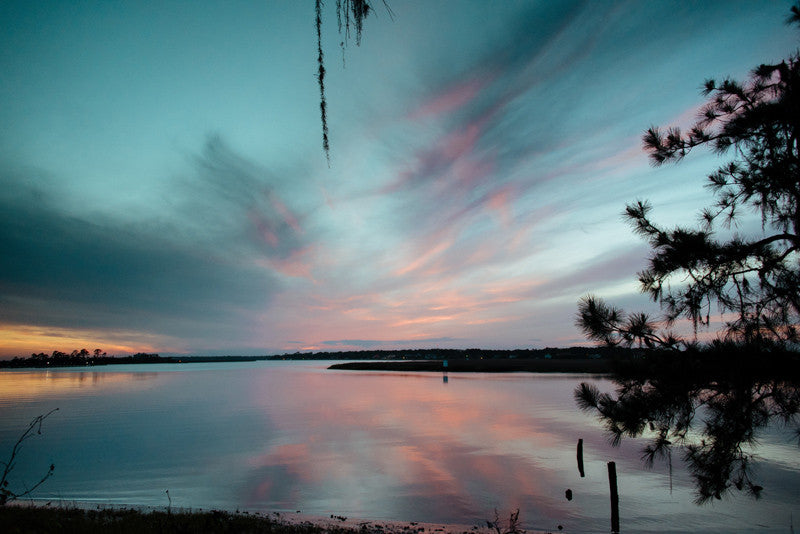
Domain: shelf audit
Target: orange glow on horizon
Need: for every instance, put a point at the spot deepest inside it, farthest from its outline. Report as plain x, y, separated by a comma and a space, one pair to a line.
24, 340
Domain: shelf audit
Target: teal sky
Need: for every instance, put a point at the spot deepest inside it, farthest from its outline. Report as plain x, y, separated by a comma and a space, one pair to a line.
164, 186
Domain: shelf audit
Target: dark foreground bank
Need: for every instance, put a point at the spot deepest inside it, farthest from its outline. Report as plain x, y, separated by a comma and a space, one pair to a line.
593, 366
28, 519
61, 520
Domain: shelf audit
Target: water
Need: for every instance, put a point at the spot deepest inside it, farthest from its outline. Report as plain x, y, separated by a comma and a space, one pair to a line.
288, 436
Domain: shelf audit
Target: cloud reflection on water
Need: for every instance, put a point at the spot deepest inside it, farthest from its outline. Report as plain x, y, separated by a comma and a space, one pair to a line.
286, 436
415, 446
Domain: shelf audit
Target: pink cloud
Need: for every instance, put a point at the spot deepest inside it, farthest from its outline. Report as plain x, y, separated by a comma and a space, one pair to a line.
299, 264
450, 99
274, 223
448, 163
500, 202
264, 228
422, 259
287, 216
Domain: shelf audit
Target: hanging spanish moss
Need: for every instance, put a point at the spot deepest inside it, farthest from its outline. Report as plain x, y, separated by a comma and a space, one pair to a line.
348, 13
321, 79
355, 9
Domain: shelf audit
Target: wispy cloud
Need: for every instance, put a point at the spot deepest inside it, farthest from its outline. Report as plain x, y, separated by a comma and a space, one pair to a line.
476, 189
379, 343
178, 278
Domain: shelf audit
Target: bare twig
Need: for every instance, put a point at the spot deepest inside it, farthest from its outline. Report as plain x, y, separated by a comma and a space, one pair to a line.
34, 428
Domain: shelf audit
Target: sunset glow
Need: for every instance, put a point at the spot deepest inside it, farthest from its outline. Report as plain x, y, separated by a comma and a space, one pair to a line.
164, 188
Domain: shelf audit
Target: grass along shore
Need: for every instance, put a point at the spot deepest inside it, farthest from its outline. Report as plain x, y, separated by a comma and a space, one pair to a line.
63, 519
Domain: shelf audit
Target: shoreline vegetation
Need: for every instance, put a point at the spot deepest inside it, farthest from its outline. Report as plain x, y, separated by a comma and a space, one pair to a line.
713, 360
505, 365
28, 518
572, 359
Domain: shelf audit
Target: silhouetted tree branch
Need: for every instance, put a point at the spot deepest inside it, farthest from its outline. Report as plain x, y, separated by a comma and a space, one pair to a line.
513, 523
34, 428
713, 415
752, 280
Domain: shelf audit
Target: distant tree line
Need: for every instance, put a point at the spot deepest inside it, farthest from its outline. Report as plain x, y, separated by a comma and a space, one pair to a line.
474, 353
82, 358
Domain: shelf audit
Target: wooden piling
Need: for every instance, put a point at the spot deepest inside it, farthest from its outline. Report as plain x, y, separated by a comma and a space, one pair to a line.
580, 458
612, 484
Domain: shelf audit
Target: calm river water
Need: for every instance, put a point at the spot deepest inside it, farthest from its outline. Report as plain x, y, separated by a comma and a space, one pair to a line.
288, 436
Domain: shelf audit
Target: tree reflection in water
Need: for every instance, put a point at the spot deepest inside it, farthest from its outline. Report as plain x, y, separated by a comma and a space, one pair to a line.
712, 410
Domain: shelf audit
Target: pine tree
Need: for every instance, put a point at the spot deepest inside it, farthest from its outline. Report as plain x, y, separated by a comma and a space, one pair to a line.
692, 272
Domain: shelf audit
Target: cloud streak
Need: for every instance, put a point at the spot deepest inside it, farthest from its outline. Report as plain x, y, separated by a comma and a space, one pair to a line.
478, 177
180, 279
382, 343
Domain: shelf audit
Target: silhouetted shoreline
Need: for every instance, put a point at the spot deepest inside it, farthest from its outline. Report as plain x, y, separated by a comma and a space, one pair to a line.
122, 519
43, 361
506, 365
85, 359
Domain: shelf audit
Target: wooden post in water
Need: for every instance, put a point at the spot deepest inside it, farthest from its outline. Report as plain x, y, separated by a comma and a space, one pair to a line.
580, 458
612, 484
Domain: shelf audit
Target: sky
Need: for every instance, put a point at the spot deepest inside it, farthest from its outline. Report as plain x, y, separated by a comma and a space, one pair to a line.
163, 186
